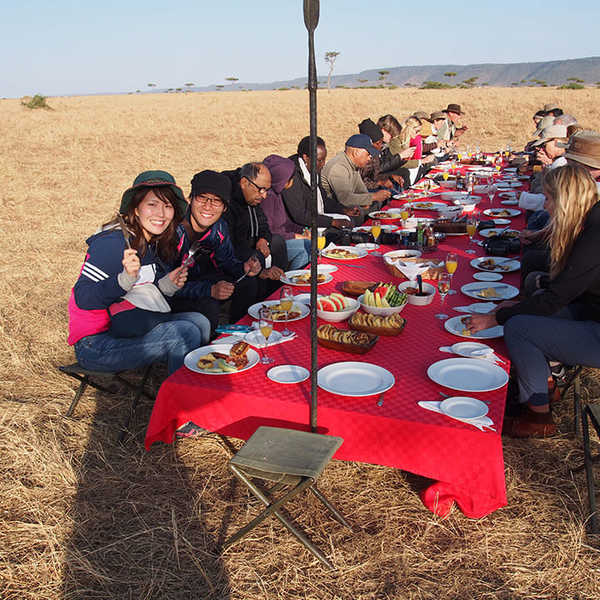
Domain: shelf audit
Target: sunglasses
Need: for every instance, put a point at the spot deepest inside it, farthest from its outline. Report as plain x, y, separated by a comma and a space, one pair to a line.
261, 190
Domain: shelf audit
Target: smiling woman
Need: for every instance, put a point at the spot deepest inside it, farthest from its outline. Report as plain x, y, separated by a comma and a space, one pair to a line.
119, 318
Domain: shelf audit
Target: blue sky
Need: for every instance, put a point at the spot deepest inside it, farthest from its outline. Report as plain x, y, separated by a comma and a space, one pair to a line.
68, 46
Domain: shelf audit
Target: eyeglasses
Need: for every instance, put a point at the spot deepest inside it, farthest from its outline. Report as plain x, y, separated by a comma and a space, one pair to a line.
261, 190
214, 202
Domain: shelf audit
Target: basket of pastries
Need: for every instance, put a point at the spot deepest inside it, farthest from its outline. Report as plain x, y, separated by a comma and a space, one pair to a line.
377, 324
345, 340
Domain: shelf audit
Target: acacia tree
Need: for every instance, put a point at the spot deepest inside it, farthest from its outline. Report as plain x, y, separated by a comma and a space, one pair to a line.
383, 75
232, 79
330, 60
450, 74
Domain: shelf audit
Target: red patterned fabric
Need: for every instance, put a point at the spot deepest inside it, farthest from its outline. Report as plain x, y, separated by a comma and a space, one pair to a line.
466, 464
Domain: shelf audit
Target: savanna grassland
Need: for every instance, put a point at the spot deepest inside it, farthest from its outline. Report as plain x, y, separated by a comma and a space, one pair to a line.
85, 518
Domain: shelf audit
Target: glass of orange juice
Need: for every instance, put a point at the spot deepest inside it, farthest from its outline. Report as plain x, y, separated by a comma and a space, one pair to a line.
443, 289
376, 230
286, 301
445, 176
451, 266
404, 214
471, 229
266, 328
321, 241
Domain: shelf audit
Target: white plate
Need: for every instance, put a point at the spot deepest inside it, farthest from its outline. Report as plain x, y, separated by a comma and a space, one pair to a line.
327, 268
256, 338
385, 215
425, 205
452, 196
390, 257
384, 227
367, 246
354, 379
501, 222
463, 407
455, 326
509, 202
466, 349
304, 310
468, 374
492, 231
288, 374
288, 278
487, 276
357, 252
304, 298
493, 212
504, 265
504, 291
191, 358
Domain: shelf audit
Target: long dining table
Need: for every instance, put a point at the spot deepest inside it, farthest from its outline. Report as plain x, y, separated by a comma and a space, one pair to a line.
465, 464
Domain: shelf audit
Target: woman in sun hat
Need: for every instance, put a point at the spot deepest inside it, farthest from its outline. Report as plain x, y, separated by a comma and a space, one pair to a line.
561, 322
119, 318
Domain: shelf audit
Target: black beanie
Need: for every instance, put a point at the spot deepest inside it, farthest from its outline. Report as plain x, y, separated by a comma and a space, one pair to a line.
369, 128
211, 182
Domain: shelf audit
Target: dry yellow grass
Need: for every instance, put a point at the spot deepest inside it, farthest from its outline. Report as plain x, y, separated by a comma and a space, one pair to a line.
85, 518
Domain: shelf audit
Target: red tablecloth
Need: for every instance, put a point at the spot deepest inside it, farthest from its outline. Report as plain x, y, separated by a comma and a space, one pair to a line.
467, 464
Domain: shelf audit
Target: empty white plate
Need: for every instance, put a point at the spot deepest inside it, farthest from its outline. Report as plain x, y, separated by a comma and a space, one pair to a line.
288, 374
467, 349
354, 379
468, 374
463, 407
486, 276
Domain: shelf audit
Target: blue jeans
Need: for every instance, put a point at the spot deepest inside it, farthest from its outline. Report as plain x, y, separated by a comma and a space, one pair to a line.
169, 341
532, 341
298, 251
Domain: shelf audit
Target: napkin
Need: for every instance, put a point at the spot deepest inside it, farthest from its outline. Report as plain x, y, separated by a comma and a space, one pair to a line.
476, 308
337, 216
261, 344
531, 201
489, 356
410, 270
480, 422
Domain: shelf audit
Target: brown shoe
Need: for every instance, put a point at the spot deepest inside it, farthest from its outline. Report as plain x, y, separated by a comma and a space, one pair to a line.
530, 425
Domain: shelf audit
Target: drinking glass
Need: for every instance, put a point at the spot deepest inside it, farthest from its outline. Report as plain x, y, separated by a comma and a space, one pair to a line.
451, 266
491, 190
445, 176
376, 230
404, 216
286, 301
321, 241
266, 328
443, 288
471, 229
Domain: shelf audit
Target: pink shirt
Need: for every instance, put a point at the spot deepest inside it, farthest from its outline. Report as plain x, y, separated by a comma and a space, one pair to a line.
417, 142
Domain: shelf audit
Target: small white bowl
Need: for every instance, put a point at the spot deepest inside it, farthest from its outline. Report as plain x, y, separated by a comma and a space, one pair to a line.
383, 311
418, 300
450, 211
390, 257
338, 315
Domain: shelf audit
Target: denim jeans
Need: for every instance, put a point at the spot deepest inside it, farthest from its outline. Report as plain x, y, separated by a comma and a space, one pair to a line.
532, 341
169, 341
298, 251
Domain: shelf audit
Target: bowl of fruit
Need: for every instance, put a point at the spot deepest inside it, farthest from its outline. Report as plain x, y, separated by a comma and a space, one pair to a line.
336, 307
383, 299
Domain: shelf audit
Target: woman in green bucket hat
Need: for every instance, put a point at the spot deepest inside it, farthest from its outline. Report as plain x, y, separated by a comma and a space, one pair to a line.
119, 317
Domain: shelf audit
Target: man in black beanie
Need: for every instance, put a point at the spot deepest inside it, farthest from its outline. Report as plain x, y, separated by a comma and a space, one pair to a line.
372, 173
205, 244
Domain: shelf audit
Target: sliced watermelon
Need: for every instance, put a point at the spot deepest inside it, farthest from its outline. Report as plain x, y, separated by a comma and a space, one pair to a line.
327, 304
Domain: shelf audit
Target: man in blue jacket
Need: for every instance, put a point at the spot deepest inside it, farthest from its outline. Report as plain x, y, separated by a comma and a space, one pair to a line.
204, 242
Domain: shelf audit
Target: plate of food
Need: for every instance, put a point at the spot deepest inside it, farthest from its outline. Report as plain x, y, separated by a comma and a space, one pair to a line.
221, 359
457, 326
492, 291
468, 375
496, 264
384, 227
303, 278
509, 202
344, 253
356, 379
502, 212
385, 215
298, 311
494, 231
424, 205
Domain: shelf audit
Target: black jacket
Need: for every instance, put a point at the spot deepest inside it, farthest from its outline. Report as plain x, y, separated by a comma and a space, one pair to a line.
246, 223
579, 281
297, 200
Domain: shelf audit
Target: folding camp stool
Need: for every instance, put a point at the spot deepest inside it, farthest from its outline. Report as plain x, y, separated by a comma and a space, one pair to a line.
590, 414
83, 376
290, 459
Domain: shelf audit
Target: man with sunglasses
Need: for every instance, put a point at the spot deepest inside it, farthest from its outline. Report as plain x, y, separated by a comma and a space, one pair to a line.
248, 224
215, 274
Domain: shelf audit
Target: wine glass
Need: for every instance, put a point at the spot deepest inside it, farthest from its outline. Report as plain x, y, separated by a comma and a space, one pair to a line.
451, 266
404, 215
445, 175
491, 190
266, 328
471, 229
376, 230
321, 241
443, 289
286, 301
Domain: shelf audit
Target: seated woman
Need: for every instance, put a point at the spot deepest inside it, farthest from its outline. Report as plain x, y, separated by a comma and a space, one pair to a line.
560, 322
119, 318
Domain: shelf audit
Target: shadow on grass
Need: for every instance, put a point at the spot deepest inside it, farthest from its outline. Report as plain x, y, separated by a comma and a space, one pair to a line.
137, 528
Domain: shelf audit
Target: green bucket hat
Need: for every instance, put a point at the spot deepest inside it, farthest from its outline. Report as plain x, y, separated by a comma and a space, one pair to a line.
151, 179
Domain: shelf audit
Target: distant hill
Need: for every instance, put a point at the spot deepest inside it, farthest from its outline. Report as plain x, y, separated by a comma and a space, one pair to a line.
537, 74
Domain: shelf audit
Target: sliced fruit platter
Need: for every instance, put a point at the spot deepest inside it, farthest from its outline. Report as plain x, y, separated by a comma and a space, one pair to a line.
385, 295
336, 307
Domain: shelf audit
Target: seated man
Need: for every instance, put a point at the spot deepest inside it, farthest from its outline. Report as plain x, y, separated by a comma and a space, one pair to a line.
213, 266
552, 110
342, 179
297, 198
247, 222
375, 173
450, 129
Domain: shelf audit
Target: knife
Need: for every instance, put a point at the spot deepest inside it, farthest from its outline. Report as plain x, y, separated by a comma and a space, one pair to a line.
124, 230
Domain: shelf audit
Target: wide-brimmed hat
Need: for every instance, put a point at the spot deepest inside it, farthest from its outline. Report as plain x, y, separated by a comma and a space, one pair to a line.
551, 133
550, 106
435, 116
150, 179
421, 114
361, 140
543, 124
455, 108
584, 148
566, 120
